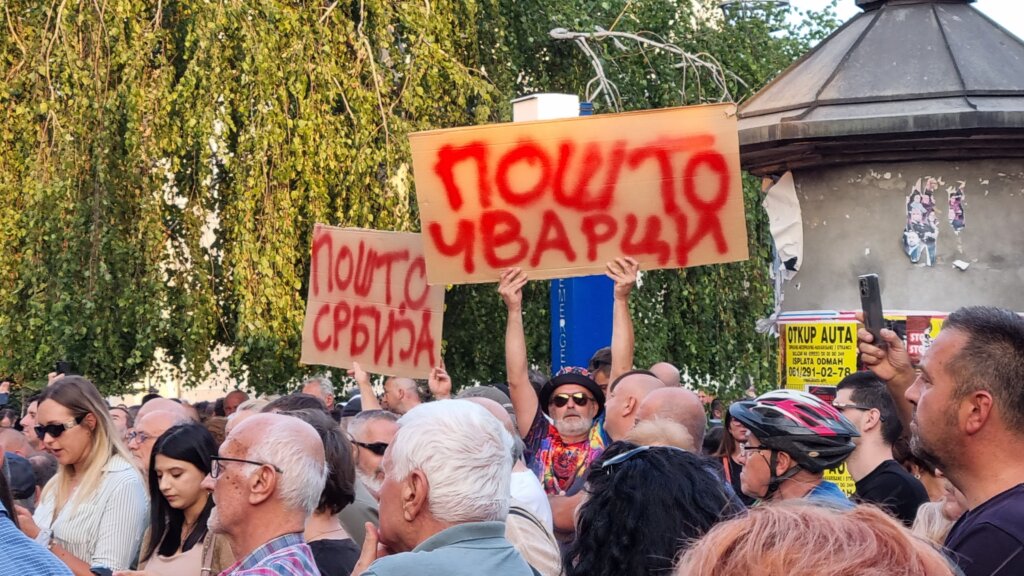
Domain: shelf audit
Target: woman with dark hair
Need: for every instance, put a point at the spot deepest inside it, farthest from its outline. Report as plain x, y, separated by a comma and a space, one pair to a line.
729, 452
179, 542
334, 551
643, 505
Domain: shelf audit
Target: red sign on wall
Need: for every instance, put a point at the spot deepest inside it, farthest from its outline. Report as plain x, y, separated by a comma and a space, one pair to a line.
369, 302
561, 198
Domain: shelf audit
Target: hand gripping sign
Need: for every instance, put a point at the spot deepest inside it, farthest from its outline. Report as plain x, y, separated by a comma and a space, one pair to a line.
369, 302
561, 198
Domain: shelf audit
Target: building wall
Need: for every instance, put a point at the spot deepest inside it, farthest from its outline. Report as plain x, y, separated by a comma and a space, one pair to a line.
855, 219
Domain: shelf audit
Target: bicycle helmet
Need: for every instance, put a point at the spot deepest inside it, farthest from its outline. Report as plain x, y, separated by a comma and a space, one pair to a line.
812, 432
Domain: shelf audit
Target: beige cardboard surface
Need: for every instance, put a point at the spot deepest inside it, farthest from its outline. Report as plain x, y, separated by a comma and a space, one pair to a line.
561, 198
369, 302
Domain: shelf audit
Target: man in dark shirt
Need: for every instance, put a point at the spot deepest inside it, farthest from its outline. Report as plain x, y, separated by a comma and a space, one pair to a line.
866, 402
966, 414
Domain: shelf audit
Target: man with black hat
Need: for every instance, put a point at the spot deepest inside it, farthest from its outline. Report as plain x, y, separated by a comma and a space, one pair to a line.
560, 451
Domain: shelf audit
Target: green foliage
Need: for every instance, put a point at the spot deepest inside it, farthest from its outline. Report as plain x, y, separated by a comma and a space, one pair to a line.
162, 165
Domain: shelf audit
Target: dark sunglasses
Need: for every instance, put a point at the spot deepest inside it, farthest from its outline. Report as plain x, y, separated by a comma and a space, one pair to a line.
55, 430
377, 448
579, 398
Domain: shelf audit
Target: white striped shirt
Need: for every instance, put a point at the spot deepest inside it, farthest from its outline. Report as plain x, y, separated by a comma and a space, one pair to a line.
105, 530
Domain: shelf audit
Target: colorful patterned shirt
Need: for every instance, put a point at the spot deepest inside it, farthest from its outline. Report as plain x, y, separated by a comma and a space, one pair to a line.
286, 555
562, 467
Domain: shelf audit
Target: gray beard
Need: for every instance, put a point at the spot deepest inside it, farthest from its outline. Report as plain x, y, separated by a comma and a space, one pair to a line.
574, 427
370, 482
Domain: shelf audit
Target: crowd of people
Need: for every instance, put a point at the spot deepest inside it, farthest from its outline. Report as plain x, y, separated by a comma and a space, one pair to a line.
599, 470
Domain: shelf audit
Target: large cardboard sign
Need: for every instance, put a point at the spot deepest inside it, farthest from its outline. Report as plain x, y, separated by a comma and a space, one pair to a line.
369, 302
561, 198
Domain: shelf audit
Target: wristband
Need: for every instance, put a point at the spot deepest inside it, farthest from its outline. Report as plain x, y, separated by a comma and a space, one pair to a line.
44, 538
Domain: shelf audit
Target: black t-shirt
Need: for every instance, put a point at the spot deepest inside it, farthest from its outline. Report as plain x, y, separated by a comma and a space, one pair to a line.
890, 486
335, 557
989, 540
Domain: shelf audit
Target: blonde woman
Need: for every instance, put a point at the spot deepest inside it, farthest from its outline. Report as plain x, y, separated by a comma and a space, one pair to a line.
93, 513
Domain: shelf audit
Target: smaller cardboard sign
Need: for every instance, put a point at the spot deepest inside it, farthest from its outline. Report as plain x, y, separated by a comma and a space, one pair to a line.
819, 353
369, 302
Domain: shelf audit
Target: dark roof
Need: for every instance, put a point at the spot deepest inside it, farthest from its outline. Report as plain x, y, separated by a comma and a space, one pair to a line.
905, 79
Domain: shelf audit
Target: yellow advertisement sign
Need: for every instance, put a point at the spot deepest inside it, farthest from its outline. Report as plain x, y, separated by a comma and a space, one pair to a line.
820, 353
841, 477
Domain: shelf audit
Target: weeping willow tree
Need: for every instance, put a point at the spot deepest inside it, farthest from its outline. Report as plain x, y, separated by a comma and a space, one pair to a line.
162, 165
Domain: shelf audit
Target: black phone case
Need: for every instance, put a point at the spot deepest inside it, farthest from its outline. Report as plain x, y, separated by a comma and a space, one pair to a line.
871, 303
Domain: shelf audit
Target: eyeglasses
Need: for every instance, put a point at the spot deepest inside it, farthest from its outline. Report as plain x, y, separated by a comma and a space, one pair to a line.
579, 398
140, 436
216, 467
55, 430
377, 448
840, 406
745, 448
625, 456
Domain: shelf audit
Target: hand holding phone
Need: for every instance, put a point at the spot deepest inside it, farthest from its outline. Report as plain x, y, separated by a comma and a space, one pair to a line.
871, 303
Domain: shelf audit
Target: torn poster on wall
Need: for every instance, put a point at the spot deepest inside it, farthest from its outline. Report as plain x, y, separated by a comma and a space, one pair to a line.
956, 206
921, 233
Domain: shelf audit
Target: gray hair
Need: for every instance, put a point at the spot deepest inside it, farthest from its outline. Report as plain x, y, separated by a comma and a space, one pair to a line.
324, 380
359, 421
303, 477
464, 452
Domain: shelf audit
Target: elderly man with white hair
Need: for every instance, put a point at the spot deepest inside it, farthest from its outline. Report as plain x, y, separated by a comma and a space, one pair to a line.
266, 481
445, 497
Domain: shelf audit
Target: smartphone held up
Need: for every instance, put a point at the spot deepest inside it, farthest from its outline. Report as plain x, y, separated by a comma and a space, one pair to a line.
871, 303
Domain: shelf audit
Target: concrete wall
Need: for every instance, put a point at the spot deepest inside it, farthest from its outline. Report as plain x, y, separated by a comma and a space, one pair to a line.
854, 219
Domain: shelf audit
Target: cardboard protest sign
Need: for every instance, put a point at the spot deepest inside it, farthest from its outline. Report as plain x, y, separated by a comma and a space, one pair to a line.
369, 302
561, 198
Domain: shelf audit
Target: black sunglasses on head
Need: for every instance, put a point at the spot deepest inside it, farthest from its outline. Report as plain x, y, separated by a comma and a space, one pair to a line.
579, 398
377, 448
55, 430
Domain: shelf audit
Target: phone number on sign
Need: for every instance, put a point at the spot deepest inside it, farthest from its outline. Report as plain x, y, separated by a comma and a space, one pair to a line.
818, 373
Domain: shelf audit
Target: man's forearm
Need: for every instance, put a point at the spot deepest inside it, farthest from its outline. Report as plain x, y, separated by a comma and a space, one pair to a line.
622, 338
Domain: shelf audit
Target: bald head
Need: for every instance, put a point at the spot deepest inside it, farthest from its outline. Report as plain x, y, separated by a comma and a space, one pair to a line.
676, 404
667, 373
499, 412
161, 405
496, 410
400, 395
624, 397
13, 441
232, 400
148, 429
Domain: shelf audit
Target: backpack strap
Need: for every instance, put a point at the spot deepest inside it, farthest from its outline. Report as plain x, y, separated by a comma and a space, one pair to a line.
524, 513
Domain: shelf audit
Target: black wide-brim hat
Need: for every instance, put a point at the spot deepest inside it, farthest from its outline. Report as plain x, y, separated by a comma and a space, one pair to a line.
578, 378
